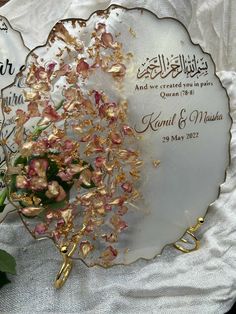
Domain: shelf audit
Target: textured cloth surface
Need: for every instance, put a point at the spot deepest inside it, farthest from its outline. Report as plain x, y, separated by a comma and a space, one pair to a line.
201, 282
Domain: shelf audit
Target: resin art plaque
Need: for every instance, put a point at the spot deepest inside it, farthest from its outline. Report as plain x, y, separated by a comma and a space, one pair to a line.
121, 141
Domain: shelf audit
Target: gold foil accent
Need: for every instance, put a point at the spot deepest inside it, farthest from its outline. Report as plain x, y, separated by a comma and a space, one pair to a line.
156, 163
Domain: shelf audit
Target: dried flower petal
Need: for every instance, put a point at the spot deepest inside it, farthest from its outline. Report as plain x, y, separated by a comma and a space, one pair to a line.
109, 254
86, 247
100, 161
118, 223
83, 68
115, 138
51, 114
128, 130
31, 211
111, 237
117, 69
107, 39
127, 187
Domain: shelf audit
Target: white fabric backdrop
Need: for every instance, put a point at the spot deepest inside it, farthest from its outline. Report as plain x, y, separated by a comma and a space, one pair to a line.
200, 282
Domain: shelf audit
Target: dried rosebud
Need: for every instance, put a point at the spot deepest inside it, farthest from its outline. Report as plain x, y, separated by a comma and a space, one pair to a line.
62, 194
40, 228
22, 182
38, 183
38, 166
31, 211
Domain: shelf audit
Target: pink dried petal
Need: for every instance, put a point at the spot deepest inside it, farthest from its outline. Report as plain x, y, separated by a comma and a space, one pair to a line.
128, 130
31, 211
100, 161
64, 69
41, 73
68, 160
115, 138
71, 93
68, 145
109, 254
122, 210
50, 113
118, 223
90, 227
107, 39
50, 215
98, 97
33, 109
111, 237
51, 66
40, 228
65, 176
60, 223
127, 187
108, 207
83, 68
21, 117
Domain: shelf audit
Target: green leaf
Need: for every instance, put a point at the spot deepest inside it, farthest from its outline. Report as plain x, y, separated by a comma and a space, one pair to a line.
3, 279
7, 263
2, 207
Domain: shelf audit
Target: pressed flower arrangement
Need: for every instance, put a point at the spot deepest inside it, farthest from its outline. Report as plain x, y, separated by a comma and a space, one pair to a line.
75, 173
